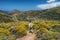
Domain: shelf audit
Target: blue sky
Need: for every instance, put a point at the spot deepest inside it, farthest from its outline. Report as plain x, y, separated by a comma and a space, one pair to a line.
28, 4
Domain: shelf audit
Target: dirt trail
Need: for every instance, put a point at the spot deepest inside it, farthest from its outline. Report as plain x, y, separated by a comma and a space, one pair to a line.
29, 36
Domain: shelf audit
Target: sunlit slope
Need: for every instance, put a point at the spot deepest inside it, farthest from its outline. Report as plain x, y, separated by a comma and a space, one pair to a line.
41, 27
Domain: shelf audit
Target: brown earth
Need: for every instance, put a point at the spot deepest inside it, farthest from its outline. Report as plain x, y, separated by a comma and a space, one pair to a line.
29, 36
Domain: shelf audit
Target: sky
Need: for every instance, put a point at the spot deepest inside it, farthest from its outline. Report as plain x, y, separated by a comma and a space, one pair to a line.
8, 5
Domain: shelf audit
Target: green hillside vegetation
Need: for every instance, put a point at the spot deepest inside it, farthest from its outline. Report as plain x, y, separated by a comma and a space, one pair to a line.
45, 30
49, 14
4, 17
46, 24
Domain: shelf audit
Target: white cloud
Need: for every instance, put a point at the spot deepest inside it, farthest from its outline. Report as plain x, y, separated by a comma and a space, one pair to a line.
49, 1
49, 5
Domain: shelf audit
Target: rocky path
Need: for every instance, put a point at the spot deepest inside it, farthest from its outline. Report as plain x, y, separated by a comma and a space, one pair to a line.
29, 36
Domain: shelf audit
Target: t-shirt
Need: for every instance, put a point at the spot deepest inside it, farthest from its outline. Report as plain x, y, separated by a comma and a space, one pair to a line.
30, 24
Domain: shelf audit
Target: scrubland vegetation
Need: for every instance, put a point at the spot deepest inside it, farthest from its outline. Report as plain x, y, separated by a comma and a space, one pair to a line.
46, 24
44, 30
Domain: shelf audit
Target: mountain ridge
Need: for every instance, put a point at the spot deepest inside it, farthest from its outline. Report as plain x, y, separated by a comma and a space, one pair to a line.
49, 14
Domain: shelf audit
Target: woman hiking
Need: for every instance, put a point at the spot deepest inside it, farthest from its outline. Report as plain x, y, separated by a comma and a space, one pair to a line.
30, 27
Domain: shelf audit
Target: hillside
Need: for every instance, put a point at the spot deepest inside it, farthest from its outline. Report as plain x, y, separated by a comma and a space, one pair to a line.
41, 29
50, 14
4, 17
53, 13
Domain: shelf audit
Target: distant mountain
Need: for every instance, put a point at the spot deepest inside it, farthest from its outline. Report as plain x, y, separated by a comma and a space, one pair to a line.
49, 14
4, 17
